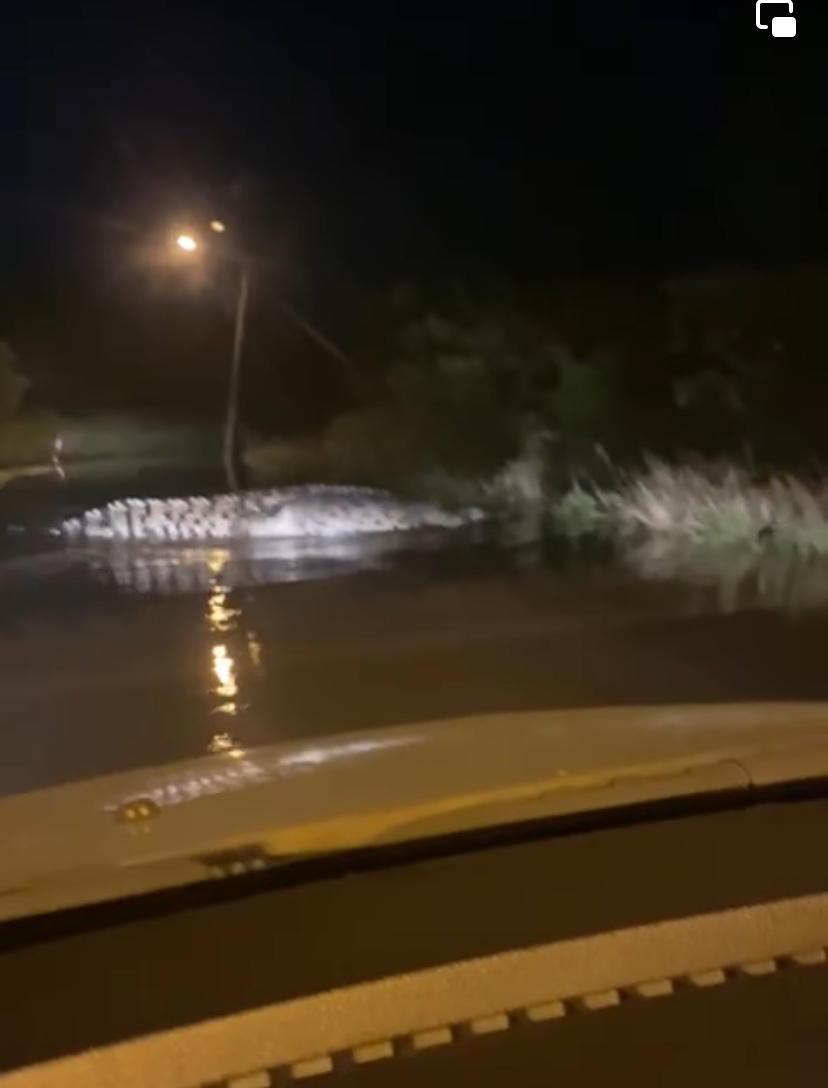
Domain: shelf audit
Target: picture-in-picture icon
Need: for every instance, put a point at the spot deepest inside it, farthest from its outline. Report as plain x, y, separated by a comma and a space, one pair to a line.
781, 26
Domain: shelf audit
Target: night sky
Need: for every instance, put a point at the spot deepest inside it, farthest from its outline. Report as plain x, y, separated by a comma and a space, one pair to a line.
371, 143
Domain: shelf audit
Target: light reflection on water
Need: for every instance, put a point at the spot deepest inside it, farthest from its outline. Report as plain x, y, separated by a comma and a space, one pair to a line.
703, 579
224, 668
162, 571
223, 621
738, 578
230, 639
224, 742
220, 616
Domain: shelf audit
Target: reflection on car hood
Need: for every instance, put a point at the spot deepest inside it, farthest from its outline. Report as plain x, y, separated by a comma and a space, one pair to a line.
239, 809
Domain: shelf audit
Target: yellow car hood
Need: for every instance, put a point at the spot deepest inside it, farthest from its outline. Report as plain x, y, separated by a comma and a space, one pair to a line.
221, 815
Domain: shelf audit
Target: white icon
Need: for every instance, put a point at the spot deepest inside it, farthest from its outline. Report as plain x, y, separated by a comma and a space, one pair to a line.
781, 26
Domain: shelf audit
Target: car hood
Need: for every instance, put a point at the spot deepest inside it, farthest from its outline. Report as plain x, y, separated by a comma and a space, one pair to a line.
225, 814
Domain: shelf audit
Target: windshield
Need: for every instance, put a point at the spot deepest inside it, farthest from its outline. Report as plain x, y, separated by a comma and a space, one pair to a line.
363, 367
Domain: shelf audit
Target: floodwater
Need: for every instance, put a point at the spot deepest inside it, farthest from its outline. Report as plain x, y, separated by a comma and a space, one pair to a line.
118, 658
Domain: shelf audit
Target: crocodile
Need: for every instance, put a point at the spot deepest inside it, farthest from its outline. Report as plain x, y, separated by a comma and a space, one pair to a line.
316, 510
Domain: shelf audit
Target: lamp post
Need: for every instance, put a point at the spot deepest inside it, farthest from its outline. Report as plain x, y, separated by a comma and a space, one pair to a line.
189, 244
232, 423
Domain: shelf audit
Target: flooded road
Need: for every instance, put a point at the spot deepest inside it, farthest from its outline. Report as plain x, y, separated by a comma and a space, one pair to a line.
115, 660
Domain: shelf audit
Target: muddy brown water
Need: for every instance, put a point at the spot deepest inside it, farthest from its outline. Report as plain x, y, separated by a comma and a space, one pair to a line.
114, 661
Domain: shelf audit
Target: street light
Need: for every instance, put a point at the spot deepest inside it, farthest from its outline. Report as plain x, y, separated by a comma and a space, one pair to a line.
188, 243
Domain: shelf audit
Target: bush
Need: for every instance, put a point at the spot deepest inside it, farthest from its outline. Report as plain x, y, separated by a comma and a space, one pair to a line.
579, 513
